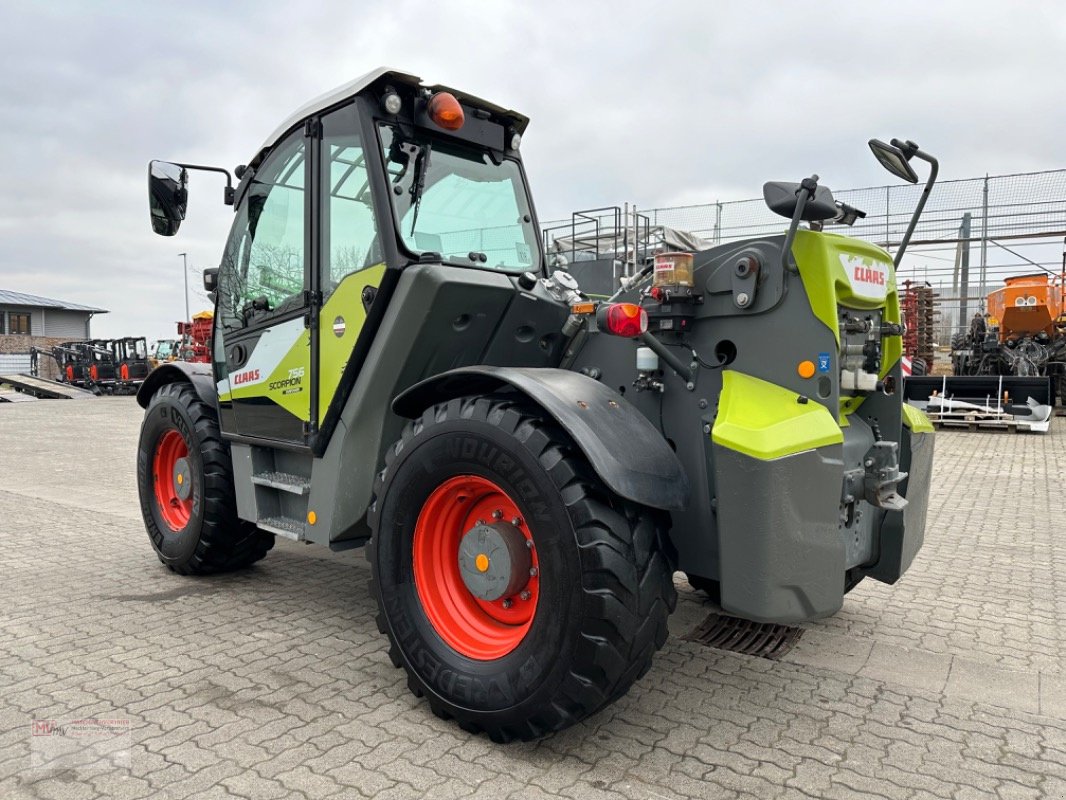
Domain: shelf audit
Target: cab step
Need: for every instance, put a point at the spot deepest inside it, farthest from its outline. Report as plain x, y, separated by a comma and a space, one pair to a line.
283, 481
286, 527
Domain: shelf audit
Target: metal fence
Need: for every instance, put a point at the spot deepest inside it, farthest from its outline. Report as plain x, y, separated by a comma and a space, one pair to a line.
974, 232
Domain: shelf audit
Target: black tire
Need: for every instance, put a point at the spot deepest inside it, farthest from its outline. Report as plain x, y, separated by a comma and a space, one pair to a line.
214, 539
958, 341
710, 587
606, 586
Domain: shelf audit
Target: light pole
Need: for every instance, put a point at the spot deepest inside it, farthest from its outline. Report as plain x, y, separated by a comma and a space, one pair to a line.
185, 337
185, 264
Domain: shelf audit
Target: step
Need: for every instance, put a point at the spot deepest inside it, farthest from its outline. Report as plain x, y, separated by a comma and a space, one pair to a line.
283, 526
296, 484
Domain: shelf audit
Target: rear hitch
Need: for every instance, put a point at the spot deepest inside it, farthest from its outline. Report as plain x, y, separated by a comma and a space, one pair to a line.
882, 477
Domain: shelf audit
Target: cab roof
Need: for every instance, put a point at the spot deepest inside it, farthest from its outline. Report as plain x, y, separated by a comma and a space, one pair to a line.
353, 87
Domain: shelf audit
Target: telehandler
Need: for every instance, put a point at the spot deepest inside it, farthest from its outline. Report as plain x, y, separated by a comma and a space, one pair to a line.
393, 366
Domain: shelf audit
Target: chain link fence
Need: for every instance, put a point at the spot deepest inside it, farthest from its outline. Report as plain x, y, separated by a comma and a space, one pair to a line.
973, 233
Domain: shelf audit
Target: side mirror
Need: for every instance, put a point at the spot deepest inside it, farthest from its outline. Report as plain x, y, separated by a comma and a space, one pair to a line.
781, 197
168, 196
894, 160
211, 284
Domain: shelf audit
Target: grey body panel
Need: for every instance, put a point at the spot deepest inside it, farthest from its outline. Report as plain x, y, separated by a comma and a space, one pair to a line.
622, 446
439, 318
903, 532
782, 559
199, 375
771, 336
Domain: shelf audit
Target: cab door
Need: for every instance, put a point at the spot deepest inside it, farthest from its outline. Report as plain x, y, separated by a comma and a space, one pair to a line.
350, 256
262, 348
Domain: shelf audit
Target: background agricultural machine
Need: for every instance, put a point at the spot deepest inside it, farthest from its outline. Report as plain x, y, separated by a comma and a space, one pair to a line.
918, 306
164, 350
72, 359
526, 464
195, 344
104, 366
1009, 368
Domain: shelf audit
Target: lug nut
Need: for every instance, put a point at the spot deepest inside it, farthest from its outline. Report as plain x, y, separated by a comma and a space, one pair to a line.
508, 603
529, 544
481, 522
533, 572
497, 514
517, 522
525, 595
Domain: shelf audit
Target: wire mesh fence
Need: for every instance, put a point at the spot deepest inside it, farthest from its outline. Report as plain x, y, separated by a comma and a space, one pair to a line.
973, 233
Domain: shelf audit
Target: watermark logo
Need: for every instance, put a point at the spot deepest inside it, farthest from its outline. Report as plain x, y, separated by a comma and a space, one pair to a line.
91, 744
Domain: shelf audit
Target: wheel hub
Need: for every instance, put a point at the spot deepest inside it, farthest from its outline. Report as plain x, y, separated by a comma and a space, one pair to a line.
182, 479
494, 560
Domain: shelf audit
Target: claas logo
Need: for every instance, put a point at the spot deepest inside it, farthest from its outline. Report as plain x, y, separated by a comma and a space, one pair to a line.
244, 377
864, 274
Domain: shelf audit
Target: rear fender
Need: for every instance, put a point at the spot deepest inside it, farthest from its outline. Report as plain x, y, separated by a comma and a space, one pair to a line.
624, 449
199, 375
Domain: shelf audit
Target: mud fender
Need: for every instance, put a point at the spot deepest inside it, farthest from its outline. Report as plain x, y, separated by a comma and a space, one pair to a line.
622, 446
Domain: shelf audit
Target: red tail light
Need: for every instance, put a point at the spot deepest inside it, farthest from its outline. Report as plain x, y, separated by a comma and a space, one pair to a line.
622, 319
445, 110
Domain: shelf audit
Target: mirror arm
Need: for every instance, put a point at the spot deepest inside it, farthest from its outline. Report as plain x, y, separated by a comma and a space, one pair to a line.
934, 168
227, 196
805, 193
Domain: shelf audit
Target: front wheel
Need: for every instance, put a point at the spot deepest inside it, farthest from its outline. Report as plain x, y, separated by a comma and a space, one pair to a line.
519, 594
185, 480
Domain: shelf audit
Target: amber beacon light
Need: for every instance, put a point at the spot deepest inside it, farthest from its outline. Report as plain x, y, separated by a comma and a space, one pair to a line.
445, 111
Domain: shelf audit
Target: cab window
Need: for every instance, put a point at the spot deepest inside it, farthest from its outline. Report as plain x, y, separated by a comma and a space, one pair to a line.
263, 267
349, 231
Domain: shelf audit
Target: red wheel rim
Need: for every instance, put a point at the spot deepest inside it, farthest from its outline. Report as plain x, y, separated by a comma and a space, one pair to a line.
479, 629
171, 482
92, 372
125, 372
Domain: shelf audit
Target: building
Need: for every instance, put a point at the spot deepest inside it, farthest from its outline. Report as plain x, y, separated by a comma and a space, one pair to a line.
30, 315
27, 320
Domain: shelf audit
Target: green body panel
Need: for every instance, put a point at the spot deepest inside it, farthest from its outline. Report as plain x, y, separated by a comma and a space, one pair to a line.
289, 379
916, 420
766, 421
821, 258
345, 303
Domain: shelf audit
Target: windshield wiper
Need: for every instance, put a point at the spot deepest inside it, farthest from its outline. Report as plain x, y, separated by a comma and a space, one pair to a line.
421, 168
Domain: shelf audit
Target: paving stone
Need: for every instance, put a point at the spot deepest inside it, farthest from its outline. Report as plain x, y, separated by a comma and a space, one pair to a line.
274, 682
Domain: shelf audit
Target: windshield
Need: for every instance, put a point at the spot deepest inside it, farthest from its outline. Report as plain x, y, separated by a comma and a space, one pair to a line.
460, 203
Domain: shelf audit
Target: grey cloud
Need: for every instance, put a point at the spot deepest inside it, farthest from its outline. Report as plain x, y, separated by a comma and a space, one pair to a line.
656, 104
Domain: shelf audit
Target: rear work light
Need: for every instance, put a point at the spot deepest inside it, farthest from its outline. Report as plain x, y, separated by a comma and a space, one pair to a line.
445, 111
622, 319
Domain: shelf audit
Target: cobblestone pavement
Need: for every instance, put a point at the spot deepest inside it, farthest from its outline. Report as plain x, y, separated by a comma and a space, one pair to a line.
273, 683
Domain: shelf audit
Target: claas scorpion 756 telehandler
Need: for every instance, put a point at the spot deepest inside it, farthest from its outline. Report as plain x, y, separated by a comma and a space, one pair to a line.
393, 366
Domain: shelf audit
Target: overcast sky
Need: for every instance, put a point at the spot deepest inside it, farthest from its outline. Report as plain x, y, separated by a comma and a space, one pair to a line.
658, 103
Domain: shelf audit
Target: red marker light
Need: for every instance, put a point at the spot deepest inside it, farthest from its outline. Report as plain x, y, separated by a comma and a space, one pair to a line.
622, 319
445, 111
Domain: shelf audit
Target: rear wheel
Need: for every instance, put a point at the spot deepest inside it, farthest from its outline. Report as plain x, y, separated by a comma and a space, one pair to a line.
185, 480
519, 594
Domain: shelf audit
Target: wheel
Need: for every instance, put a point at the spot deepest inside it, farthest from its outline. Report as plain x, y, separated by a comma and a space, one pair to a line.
712, 588
185, 480
519, 594
958, 341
